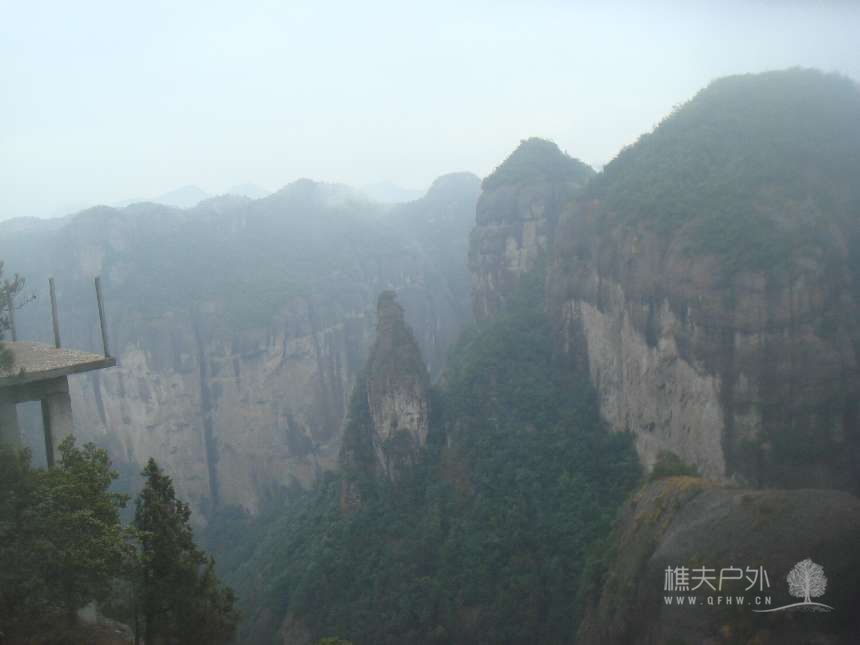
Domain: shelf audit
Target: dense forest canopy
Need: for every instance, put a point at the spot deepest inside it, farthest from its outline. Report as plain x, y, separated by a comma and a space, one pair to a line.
534, 159
720, 163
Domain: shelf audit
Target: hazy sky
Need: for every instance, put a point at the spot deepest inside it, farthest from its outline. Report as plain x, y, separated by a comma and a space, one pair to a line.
105, 101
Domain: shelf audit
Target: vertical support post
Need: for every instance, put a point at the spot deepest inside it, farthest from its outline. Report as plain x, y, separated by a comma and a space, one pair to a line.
11, 305
102, 322
55, 319
57, 417
49, 435
10, 435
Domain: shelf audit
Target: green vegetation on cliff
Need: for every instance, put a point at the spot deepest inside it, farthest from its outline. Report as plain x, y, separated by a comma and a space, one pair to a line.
536, 159
750, 164
484, 541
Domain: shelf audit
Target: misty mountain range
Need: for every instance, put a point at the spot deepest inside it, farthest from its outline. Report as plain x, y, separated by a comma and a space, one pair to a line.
383, 192
430, 323
480, 415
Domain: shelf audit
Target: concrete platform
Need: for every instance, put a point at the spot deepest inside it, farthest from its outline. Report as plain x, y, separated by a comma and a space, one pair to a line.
40, 373
40, 362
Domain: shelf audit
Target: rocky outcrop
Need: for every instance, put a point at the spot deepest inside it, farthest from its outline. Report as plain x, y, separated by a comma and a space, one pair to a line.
397, 389
240, 326
516, 216
685, 522
390, 410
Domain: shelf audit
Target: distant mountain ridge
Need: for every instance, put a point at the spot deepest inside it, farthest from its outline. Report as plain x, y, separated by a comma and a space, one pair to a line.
189, 196
186, 197
386, 192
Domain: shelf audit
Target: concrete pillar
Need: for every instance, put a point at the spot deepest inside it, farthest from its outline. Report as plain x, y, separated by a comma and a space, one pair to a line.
57, 418
10, 434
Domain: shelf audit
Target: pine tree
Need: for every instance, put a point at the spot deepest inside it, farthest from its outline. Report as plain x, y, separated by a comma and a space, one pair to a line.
179, 595
22, 592
83, 543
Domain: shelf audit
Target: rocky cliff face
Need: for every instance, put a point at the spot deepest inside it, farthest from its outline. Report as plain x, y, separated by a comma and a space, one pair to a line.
397, 389
239, 326
237, 416
516, 218
390, 411
707, 281
752, 376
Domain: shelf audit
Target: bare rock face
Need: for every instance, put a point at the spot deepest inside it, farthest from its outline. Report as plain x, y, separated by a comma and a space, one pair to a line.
516, 216
389, 415
690, 523
236, 415
397, 389
710, 287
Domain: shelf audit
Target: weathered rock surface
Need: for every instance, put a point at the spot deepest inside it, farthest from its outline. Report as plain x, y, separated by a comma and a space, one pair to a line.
516, 217
398, 389
239, 326
389, 415
692, 523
